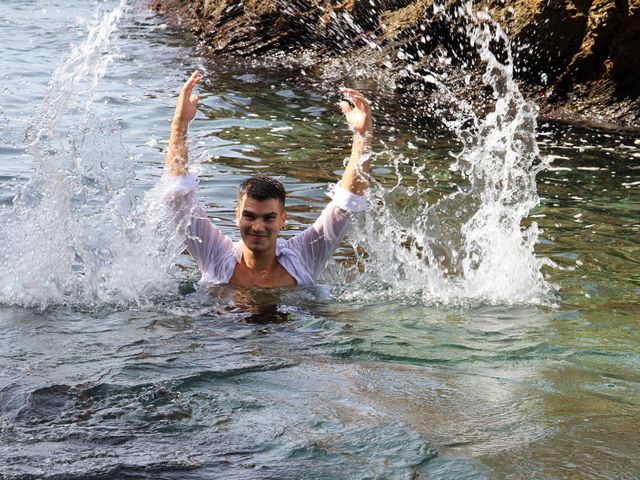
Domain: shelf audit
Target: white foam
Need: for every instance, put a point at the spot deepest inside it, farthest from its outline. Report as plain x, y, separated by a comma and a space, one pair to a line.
74, 234
469, 246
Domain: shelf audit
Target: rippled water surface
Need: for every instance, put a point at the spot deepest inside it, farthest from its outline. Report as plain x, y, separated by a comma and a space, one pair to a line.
106, 376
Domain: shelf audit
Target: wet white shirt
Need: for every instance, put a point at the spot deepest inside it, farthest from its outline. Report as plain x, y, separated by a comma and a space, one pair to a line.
304, 256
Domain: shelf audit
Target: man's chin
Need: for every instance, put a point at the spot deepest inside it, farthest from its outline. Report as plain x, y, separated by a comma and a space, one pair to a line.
259, 244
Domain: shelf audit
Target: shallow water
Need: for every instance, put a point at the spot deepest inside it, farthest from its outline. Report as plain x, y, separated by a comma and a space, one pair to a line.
358, 380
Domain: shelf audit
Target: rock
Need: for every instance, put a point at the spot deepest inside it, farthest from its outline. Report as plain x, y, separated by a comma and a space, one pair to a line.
578, 59
588, 50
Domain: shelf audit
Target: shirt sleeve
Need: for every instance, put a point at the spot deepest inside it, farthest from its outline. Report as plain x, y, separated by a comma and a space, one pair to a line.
315, 245
209, 247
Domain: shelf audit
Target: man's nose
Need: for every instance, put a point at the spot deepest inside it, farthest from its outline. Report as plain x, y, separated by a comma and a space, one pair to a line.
257, 225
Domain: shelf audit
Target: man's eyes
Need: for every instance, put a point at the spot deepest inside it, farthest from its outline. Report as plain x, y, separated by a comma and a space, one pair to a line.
268, 218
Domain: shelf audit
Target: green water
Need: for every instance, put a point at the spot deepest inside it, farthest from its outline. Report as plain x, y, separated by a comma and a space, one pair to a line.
343, 381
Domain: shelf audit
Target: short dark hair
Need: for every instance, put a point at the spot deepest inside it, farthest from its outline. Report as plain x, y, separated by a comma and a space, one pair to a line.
261, 187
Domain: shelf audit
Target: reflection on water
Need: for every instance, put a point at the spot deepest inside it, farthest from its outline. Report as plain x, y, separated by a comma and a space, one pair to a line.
340, 381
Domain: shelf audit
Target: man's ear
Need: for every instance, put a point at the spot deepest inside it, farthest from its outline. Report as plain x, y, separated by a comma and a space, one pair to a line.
239, 206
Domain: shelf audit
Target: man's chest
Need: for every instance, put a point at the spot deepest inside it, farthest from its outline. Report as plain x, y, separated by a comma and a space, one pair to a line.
246, 277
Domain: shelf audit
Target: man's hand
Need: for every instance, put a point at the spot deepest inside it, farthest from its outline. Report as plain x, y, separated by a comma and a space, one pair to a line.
177, 159
186, 107
357, 111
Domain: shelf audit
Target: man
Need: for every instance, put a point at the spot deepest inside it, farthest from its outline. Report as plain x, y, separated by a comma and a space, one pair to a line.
261, 259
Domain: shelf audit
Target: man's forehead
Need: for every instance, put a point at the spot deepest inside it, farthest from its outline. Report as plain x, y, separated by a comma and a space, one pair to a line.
269, 205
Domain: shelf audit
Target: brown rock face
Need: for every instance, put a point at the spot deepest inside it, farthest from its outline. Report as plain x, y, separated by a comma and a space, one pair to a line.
589, 50
578, 58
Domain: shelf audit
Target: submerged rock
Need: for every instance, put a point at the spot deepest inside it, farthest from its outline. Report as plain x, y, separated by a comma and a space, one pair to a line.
578, 59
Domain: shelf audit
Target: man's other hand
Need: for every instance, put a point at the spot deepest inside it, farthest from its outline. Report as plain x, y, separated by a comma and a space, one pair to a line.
357, 111
186, 108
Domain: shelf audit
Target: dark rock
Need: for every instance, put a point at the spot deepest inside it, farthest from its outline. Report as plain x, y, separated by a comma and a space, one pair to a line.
577, 59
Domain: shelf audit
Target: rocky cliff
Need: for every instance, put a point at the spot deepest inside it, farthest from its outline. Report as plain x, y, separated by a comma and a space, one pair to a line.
578, 59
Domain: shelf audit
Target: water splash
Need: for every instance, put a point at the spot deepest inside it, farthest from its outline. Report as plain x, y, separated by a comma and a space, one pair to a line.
74, 234
469, 246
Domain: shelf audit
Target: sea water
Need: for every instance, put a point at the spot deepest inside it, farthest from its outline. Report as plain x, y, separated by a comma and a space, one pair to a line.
484, 310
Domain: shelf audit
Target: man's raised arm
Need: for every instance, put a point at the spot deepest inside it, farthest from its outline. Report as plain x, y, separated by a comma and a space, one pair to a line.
176, 162
357, 111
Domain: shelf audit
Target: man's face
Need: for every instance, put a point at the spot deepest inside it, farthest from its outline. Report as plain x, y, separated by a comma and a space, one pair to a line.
260, 222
